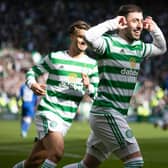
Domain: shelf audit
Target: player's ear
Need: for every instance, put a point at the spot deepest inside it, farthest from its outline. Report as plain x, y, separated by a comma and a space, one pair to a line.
71, 36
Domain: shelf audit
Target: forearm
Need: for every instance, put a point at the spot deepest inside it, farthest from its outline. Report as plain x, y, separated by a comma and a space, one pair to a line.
96, 31
91, 91
159, 41
35, 72
158, 46
30, 78
94, 35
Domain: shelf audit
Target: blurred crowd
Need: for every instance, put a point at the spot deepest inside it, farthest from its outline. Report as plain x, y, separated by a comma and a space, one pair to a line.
41, 25
150, 103
31, 29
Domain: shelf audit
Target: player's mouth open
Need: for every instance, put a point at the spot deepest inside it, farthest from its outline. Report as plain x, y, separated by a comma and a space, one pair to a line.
83, 43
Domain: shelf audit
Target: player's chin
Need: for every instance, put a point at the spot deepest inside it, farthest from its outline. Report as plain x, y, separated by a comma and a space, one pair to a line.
83, 48
136, 37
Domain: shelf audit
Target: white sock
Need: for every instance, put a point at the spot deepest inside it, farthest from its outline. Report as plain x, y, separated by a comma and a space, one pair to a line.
75, 165
48, 163
19, 165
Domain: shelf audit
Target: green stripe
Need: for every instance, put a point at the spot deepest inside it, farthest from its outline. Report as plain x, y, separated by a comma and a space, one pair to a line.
96, 74
45, 124
102, 103
114, 97
122, 57
109, 121
64, 96
43, 108
128, 46
134, 164
117, 84
95, 84
144, 50
107, 48
37, 70
29, 74
53, 82
61, 107
66, 73
58, 83
71, 62
46, 66
116, 43
110, 69
115, 129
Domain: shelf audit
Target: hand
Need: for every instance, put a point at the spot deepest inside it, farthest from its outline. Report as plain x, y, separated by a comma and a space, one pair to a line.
85, 80
39, 89
148, 24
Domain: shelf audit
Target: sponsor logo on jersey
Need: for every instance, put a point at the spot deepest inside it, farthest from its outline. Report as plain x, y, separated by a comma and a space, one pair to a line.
72, 83
130, 72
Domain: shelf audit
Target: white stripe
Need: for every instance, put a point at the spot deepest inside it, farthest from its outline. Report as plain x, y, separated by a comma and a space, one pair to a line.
71, 155
65, 56
116, 91
68, 67
127, 51
117, 104
66, 114
118, 77
78, 91
118, 63
94, 79
55, 100
63, 78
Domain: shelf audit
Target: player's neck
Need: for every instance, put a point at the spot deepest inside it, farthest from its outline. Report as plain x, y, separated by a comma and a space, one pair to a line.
125, 38
75, 53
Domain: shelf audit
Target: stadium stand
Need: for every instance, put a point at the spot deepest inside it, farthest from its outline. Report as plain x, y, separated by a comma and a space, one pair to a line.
28, 27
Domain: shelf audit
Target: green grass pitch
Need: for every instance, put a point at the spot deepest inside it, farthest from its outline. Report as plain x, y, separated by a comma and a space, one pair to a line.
153, 142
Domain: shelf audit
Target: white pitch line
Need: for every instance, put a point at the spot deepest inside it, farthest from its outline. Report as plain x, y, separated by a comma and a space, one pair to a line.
7, 149
72, 155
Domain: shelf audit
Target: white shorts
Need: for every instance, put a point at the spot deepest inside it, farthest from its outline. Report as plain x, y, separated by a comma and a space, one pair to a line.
46, 122
165, 116
110, 134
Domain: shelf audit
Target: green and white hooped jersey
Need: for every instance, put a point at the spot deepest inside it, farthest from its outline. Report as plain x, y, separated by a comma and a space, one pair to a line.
64, 84
118, 68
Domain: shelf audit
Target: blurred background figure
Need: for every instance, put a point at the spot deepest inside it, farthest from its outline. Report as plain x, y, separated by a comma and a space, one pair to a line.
160, 110
84, 108
28, 107
142, 100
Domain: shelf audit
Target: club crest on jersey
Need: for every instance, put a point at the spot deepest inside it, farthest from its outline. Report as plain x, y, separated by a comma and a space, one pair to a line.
72, 77
132, 62
129, 133
53, 124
